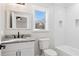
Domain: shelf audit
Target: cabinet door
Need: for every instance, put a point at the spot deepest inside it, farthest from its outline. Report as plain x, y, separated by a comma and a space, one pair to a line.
27, 49
21, 49
8, 53
27, 52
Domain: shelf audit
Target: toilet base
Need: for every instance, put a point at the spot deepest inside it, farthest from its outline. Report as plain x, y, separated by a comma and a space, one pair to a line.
48, 52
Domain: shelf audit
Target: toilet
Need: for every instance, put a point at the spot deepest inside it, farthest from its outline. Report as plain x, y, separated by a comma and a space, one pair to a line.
44, 47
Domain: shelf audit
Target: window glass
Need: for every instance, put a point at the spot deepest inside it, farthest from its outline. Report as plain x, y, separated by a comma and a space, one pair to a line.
40, 19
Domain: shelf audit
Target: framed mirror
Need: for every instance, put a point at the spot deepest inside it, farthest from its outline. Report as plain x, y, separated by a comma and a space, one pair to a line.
19, 20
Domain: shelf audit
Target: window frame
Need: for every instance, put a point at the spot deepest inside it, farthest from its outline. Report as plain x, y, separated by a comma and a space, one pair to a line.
39, 8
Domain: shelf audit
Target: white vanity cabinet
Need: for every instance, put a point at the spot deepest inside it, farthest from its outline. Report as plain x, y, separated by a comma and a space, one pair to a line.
19, 49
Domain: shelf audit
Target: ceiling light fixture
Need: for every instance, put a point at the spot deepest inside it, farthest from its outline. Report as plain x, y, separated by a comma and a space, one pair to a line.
21, 3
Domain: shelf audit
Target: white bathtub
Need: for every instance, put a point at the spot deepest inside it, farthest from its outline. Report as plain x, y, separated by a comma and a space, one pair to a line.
65, 50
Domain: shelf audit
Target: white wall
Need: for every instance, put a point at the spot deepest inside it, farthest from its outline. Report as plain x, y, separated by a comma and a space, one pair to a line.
2, 18
59, 14
72, 31
69, 33
51, 26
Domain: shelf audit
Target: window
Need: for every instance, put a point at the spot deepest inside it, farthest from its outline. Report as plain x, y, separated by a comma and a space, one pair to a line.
40, 20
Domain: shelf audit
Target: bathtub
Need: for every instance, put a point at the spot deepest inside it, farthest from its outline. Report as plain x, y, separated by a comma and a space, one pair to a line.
65, 50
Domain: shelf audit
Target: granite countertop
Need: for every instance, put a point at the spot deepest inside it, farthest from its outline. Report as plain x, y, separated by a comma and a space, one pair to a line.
18, 40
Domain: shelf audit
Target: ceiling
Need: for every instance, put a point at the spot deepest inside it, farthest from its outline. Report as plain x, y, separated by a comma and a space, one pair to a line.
52, 4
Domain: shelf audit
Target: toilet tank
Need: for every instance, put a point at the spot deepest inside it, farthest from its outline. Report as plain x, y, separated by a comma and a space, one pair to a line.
44, 43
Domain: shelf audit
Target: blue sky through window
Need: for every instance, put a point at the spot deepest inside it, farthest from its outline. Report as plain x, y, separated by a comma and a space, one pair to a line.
40, 15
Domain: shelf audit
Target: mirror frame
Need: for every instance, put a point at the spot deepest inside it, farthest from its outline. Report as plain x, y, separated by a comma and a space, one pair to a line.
23, 14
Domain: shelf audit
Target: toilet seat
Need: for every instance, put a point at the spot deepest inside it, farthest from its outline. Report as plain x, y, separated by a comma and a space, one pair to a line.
50, 52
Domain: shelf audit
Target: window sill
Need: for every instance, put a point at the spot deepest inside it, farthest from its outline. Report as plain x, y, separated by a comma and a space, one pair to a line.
38, 30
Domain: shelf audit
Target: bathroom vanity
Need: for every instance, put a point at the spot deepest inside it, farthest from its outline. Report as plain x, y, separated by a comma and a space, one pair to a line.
17, 21
18, 47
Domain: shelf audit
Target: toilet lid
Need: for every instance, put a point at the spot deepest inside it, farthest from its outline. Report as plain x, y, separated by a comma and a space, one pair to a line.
50, 52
